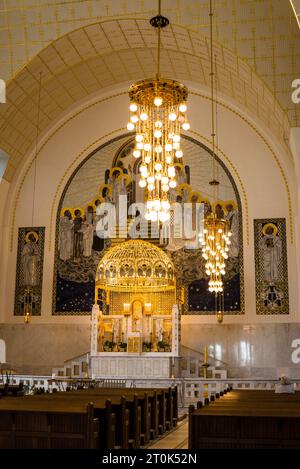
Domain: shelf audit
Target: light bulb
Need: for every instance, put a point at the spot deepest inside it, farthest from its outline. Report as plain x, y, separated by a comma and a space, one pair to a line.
157, 134
165, 180
149, 204
171, 171
165, 187
168, 159
147, 147
139, 137
130, 126
136, 153
158, 167
143, 169
158, 177
179, 153
157, 204
158, 124
176, 138
163, 216
169, 147
140, 145
182, 107
150, 187
134, 119
143, 116
147, 159
158, 101
142, 183
186, 126
172, 116
150, 180
173, 184
153, 216
133, 107
158, 149
165, 204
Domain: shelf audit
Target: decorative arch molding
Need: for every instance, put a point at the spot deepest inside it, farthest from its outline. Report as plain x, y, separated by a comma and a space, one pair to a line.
72, 65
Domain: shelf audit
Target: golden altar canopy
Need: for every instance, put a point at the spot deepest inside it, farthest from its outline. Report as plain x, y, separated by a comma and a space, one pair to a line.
135, 265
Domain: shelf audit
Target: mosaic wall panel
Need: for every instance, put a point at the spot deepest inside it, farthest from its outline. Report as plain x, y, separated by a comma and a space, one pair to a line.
29, 272
271, 271
79, 250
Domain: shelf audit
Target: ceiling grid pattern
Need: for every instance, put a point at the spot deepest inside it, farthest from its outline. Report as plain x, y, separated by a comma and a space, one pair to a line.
263, 32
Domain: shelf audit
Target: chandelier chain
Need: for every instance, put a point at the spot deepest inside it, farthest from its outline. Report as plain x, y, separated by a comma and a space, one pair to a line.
36, 149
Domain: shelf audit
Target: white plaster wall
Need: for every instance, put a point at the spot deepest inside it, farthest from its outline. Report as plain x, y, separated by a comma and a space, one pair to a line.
244, 145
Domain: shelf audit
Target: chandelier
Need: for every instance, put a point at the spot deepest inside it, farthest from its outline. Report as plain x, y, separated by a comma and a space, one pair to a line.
215, 247
215, 240
158, 114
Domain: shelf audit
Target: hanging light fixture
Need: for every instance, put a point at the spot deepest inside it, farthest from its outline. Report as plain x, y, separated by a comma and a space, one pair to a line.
158, 115
215, 246
215, 239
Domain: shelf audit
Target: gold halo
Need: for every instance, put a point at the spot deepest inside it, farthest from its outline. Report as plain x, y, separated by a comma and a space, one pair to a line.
91, 205
218, 202
82, 212
105, 186
198, 194
179, 166
95, 200
63, 210
114, 170
182, 186
231, 202
34, 233
126, 177
270, 225
204, 200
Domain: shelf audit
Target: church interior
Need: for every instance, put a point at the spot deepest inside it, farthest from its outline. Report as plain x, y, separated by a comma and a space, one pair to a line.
149, 214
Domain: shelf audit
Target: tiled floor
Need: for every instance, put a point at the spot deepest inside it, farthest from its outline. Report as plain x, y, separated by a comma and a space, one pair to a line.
177, 439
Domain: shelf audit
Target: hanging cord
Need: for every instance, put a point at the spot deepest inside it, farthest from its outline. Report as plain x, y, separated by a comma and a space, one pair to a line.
217, 125
158, 42
213, 133
36, 150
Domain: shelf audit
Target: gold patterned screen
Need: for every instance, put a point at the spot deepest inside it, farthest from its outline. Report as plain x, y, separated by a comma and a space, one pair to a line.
161, 302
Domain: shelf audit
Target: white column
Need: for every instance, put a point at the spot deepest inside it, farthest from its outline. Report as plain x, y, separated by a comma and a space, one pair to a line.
175, 330
94, 329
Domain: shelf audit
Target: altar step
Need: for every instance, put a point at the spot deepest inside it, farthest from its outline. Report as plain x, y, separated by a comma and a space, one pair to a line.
75, 367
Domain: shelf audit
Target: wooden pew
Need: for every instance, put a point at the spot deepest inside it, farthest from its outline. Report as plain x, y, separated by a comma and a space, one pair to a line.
247, 419
53, 427
111, 412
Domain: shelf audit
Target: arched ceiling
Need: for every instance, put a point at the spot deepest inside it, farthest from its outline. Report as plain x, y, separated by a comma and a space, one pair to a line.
263, 32
92, 49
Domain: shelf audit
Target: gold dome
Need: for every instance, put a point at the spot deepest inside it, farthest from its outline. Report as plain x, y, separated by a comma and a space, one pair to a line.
135, 265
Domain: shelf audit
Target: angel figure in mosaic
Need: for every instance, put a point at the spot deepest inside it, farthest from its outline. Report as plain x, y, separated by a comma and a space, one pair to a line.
271, 246
29, 260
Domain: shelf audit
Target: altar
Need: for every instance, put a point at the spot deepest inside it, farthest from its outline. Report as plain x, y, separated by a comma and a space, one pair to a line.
136, 316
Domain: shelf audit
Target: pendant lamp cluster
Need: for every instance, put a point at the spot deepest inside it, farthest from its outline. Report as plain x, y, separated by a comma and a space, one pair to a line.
158, 114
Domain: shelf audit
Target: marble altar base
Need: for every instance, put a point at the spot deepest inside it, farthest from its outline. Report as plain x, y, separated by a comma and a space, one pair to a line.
115, 366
